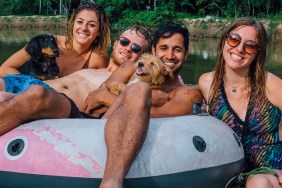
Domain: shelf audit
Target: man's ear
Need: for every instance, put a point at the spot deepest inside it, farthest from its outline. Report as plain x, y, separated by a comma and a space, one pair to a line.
153, 50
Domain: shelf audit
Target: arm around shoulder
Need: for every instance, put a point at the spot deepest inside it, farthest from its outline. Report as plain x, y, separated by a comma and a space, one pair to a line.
122, 74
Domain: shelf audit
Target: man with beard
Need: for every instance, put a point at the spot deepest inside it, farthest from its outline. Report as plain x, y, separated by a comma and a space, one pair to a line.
130, 45
170, 44
129, 114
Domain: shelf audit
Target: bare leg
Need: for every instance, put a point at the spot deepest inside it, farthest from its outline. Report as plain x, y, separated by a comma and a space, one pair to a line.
35, 103
125, 132
2, 85
262, 181
4, 96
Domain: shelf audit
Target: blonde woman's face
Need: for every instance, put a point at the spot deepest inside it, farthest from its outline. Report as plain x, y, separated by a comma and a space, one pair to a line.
236, 54
86, 27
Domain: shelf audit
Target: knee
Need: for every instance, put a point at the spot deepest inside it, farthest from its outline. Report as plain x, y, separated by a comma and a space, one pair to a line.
258, 181
140, 94
38, 96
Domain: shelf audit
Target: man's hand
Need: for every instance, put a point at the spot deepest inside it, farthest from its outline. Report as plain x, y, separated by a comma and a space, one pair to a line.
93, 103
159, 98
99, 101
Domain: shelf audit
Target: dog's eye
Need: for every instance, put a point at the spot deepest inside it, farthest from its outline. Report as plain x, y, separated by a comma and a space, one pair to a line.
140, 64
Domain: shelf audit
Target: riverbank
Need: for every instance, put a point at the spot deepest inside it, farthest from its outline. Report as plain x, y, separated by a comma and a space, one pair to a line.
209, 27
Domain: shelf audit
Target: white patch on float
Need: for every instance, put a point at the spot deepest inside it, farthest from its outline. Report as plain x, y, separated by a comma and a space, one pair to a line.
67, 148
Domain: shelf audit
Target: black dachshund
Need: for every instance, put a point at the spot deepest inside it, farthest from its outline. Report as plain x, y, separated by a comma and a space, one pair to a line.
43, 51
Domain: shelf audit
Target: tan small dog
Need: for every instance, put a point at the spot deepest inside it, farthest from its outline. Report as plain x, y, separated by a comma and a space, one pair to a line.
149, 69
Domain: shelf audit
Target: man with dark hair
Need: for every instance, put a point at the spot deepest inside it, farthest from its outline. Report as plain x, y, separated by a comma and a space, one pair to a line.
170, 44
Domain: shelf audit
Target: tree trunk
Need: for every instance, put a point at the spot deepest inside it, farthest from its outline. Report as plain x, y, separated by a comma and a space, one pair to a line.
39, 12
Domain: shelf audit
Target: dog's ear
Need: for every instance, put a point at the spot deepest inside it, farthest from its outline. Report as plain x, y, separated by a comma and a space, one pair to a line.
167, 72
33, 49
51, 43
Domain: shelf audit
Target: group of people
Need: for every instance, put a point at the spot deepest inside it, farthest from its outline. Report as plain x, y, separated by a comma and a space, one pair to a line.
239, 91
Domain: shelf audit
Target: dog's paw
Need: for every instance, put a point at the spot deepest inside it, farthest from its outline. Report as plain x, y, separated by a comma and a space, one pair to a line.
117, 88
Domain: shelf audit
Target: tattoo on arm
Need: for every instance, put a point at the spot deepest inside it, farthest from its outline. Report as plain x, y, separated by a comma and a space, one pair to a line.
196, 95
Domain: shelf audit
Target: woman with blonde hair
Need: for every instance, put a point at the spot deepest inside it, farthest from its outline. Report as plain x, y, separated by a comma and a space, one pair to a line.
84, 46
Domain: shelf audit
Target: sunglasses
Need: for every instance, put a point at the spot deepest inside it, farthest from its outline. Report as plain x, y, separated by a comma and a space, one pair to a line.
250, 47
134, 47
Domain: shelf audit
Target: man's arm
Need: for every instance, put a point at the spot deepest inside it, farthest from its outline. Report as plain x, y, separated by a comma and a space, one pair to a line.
180, 103
13, 63
159, 98
97, 100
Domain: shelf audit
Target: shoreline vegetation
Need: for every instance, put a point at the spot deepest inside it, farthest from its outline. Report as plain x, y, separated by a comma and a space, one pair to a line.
199, 28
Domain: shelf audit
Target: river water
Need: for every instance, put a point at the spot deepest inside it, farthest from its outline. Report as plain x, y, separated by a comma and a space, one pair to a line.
201, 56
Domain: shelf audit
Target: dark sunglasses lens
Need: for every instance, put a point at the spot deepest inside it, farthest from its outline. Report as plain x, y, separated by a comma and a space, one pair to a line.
251, 47
135, 48
124, 41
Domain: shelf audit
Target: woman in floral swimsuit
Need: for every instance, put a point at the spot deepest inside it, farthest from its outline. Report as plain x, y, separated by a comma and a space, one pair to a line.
240, 92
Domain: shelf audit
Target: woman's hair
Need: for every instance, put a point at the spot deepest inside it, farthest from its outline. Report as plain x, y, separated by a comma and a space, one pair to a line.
256, 79
103, 41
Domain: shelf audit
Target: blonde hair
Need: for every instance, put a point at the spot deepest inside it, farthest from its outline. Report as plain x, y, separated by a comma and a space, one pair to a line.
101, 42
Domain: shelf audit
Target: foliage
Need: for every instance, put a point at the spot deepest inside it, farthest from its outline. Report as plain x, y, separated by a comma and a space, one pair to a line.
151, 12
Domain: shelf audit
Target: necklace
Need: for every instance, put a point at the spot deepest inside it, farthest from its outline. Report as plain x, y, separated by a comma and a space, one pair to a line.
234, 88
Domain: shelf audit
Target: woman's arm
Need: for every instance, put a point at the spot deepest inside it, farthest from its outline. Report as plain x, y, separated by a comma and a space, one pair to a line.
205, 84
14, 62
274, 94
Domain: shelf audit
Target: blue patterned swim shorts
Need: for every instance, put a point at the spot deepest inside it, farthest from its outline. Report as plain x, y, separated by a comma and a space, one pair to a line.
17, 83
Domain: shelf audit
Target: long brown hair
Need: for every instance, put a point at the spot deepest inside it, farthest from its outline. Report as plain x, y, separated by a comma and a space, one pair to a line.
103, 41
257, 72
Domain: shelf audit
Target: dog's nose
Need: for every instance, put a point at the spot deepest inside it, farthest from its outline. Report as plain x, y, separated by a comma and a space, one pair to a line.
140, 64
